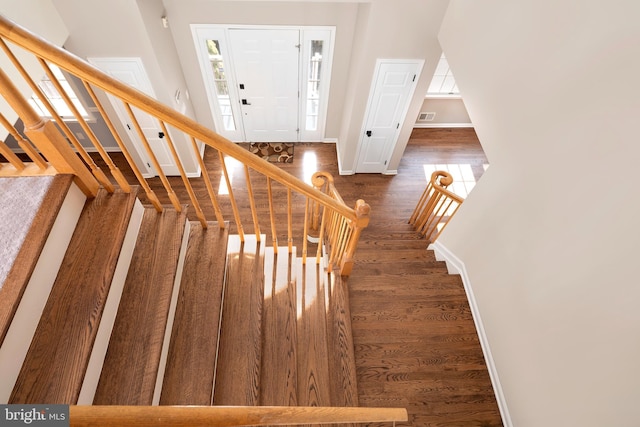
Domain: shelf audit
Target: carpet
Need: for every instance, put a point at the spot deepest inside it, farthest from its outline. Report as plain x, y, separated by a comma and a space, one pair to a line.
21, 198
274, 152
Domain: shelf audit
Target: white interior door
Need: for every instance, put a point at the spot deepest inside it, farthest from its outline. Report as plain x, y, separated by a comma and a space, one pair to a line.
391, 91
266, 64
131, 71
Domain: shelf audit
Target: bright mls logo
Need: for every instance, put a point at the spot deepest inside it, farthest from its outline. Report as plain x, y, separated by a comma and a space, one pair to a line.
35, 415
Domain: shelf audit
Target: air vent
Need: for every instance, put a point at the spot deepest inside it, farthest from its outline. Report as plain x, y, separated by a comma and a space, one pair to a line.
426, 117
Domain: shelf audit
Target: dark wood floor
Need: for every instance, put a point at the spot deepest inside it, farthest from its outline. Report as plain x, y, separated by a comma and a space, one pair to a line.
415, 341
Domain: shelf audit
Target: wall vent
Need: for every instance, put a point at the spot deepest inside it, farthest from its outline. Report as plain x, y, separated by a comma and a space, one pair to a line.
426, 117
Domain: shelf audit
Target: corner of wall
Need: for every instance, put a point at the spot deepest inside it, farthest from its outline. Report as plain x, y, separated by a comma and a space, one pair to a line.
456, 266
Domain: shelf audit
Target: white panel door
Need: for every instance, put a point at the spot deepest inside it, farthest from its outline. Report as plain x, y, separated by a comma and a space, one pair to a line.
266, 66
131, 71
391, 91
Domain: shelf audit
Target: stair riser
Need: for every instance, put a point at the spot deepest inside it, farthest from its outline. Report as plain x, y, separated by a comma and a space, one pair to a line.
111, 308
27, 316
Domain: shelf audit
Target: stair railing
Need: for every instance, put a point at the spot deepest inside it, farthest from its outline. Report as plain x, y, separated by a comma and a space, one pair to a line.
228, 416
436, 206
338, 233
64, 152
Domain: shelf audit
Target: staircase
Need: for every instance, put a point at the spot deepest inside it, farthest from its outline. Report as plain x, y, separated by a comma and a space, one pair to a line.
149, 308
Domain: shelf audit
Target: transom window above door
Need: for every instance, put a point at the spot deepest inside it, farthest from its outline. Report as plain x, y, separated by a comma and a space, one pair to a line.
266, 83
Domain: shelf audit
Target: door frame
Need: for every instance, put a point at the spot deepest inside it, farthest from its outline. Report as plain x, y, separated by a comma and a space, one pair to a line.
403, 116
144, 163
220, 32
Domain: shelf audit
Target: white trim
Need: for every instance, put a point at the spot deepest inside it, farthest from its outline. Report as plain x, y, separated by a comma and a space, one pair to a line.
456, 266
390, 172
342, 171
330, 140
443, 125
177, 283
442, 96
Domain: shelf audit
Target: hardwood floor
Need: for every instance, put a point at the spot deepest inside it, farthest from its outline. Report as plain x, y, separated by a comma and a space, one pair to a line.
414, 336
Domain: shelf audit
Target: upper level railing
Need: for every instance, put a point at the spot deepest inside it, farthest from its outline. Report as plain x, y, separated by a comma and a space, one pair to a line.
436, 206
43, 139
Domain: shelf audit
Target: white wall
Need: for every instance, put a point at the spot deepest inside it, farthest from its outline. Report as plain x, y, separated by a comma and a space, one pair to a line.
392, 29
550, 234
449, 112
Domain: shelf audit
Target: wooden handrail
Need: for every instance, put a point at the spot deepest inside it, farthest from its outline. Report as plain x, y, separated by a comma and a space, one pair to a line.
228, 416
436, 205
343, 224
85, 71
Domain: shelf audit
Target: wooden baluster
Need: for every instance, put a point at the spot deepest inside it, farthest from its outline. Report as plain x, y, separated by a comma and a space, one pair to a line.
424, 218
125, 151
22, 143
274, 233
420, 205
163, 178
305, 230
363, 211
321, 238
95, 169
252, 203
232, 199
433, 219
183, 175
47, 138
446, 222
208, 185
11, 157
115, 172
289, 221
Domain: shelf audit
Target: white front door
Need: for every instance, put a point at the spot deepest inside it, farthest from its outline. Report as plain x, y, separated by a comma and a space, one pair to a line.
131, 71
391, 91
266, 64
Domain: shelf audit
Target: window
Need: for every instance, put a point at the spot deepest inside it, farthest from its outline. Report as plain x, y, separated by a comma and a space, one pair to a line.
313, 85
443, 82
58, 102
220, 83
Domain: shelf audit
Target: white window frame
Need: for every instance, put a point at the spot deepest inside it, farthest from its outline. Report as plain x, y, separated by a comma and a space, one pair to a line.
56, 101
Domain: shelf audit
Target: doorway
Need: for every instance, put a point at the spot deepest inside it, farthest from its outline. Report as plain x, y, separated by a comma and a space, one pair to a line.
132, 72
392, 88
266, 83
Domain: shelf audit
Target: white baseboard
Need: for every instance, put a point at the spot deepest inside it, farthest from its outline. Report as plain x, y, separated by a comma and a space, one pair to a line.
443, 125
456, 266
390, 172
330, 140
342, 171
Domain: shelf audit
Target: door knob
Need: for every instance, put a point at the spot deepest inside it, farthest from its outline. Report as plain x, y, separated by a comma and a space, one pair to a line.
244, 102
160, 135
368, 133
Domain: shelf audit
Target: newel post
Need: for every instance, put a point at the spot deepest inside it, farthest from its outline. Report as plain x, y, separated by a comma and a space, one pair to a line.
47, 138
362, 221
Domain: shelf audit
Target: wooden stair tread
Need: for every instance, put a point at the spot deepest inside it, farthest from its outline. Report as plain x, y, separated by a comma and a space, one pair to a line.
313, 366
18, 276
240, 346
55, 365
279, 356
342, 364
190, 370
131, 364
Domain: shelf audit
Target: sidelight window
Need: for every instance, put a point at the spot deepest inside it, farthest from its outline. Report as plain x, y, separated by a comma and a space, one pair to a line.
221, 84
